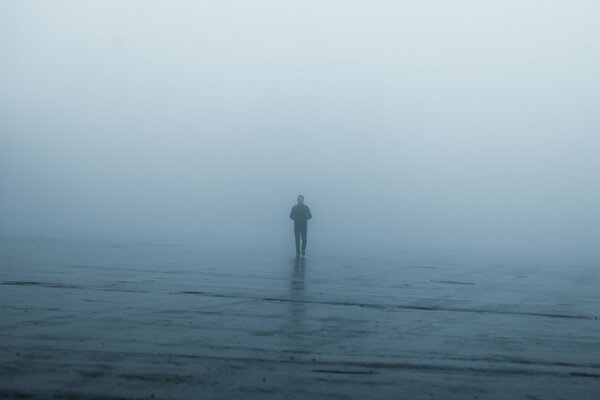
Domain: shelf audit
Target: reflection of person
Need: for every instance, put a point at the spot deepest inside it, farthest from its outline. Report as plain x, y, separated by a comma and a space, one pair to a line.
300, 214
297, 299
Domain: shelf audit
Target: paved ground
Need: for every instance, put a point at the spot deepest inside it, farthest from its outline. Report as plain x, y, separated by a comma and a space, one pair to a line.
99, 321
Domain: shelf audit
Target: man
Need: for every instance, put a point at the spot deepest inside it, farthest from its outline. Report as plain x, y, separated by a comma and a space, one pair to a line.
300, 214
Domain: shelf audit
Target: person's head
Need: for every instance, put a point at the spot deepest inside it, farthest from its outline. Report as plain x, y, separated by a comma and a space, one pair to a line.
300, 199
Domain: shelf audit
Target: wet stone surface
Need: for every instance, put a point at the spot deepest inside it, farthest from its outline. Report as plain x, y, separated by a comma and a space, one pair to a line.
141, 321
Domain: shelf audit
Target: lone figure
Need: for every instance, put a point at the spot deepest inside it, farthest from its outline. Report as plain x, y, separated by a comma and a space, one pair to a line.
300, 214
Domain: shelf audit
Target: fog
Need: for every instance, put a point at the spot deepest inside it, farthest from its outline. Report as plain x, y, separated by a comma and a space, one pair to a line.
434, 125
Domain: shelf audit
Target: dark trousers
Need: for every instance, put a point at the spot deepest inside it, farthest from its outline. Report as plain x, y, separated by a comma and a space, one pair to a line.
300, 231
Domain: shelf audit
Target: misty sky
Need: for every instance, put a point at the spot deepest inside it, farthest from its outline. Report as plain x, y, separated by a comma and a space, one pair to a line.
458, 124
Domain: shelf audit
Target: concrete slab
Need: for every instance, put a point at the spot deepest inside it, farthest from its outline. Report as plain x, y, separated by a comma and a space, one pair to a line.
131, 321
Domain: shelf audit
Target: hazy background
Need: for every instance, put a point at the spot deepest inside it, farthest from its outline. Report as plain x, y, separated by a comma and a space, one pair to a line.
461, 125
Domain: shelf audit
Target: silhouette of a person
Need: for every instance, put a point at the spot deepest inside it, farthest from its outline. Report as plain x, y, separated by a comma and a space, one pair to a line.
300, 214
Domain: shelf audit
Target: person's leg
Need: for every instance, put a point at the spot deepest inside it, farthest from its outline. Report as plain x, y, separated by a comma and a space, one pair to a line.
297, 237
304, 240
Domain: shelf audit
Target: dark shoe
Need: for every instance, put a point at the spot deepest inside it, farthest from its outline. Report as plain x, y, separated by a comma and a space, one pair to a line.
303, 252
298, 254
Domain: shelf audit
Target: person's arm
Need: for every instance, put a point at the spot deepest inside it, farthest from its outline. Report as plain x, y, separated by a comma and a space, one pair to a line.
293, 213
308, 214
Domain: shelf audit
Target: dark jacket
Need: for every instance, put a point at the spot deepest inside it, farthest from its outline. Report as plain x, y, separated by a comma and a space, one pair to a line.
300, 214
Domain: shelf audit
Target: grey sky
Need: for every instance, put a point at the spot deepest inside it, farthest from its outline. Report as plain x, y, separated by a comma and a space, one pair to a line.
458, 124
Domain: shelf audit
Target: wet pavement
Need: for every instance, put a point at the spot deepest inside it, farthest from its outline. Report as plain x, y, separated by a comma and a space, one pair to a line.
138, 321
